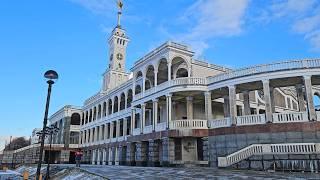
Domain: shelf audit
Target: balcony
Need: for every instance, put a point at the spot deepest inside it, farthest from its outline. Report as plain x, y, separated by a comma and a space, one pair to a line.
189, 124
175, 82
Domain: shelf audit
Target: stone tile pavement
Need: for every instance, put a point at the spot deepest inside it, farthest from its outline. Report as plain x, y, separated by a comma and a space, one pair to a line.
130, 172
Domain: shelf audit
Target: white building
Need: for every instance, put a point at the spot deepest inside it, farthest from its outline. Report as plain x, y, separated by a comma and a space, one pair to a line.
169, 111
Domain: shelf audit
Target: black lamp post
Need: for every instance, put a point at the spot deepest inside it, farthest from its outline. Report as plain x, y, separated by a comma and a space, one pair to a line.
51, 130
50, 76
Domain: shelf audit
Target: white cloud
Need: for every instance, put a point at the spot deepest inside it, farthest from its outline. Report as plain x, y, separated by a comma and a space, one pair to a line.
284, 8
213, 18
303, 17
101, 7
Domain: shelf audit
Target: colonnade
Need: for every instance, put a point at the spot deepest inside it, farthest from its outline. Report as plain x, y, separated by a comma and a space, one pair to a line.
304, 94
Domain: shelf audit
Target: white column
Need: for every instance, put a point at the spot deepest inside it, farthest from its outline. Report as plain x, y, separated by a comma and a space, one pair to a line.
118, 128
300, 98
246, 102
125, 100
189, 72
110, 156
111, 129
112, 106
133, 119
309, 96
155, 78
233, 104
226, 108
116, 159
125, 121
169, 106
98, 156
189, 107
104, 154
119, 101
273, 107
208, 105
169, 71
143, 83
155, 113
106, 131
93, 156
143, 117
267, 99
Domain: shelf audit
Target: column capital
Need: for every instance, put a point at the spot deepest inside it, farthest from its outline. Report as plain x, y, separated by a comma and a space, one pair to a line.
169, 95
265, 80
143, 105
231, 86
307, 77
155, 100
207, 93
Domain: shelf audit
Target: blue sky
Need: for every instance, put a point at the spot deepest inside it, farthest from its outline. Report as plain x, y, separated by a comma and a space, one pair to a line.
70, 36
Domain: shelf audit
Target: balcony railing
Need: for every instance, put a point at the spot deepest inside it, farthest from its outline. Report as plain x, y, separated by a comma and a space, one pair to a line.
189, 124
218, 123
251, 119
136, 131
174, 82
290, 117
161, 126
281, 66
147, 129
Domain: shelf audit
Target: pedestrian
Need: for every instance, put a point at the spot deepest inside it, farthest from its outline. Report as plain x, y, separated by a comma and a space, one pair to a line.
78, 158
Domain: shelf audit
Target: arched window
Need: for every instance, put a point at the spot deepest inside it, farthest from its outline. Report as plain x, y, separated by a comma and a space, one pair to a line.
75, 119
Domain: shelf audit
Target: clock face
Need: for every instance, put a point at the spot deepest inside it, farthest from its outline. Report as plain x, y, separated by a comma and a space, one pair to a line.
119, 56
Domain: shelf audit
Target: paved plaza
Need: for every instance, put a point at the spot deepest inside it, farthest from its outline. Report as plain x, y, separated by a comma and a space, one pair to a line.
129, 172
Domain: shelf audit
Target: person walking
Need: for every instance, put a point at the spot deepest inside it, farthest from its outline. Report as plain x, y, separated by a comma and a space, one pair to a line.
78, 158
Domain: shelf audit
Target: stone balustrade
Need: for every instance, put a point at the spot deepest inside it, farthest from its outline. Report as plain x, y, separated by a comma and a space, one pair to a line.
251, 119
269, 149
136, 131
161, 126
218, 123
287, 117
290, 117
147, 129
189, 124
174, 82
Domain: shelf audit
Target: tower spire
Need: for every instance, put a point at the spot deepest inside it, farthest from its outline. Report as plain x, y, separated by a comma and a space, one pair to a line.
120, 5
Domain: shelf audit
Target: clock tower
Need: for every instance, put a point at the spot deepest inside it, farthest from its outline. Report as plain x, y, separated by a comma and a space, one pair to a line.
116, 71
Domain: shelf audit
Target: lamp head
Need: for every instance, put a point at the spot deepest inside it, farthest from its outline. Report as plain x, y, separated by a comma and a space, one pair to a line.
51, 75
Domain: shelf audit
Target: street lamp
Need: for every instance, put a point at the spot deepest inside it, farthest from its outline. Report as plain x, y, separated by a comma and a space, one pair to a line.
51, 130
51, 76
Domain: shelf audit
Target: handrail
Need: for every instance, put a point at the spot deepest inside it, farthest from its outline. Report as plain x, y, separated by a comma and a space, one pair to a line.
268, 149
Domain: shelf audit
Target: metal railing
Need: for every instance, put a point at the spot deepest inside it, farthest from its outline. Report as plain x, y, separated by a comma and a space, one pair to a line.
269, 149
